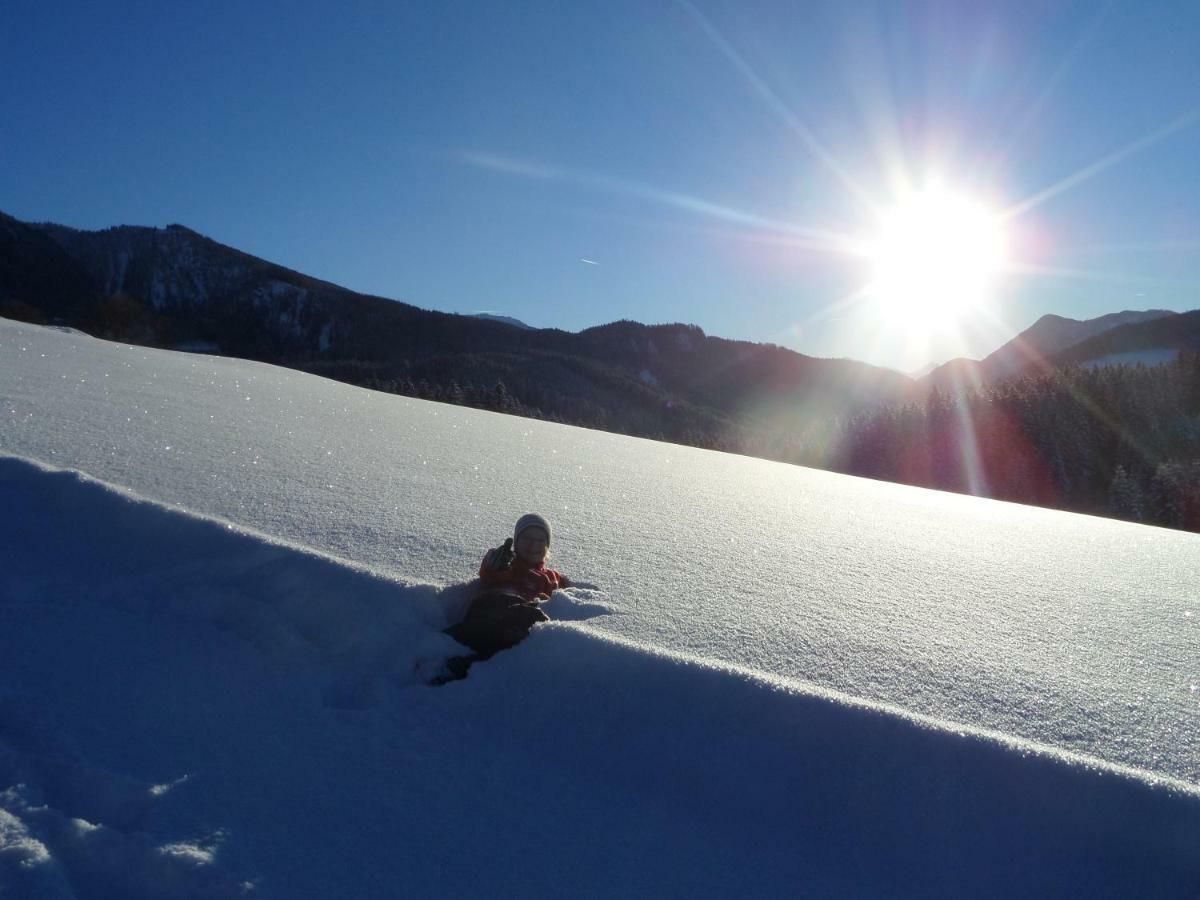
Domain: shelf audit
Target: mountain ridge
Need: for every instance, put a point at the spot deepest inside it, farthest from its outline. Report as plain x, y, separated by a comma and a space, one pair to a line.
1043, 344
173, 286
507, 320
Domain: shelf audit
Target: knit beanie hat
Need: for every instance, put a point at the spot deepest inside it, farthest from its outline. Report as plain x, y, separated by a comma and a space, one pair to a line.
531, 520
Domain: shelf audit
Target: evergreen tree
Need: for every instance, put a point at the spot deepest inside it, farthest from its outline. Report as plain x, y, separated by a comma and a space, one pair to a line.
1125, 497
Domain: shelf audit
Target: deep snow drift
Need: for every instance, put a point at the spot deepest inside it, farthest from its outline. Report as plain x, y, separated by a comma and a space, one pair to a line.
196, 711
200, 707
1071, 631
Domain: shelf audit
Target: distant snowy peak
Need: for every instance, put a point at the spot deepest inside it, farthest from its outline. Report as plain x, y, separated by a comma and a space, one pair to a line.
507, 320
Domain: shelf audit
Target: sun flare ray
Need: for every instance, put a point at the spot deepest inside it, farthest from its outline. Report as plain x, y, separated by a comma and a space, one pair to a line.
779, 108
1088, 172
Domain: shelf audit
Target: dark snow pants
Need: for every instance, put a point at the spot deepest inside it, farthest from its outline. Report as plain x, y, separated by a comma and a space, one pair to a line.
496, 621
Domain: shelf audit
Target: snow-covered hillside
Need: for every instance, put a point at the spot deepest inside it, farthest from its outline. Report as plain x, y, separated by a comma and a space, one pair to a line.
1132, 358
213, 656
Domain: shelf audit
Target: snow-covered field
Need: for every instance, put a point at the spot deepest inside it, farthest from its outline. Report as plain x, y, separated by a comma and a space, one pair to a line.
1133, 357
224, 583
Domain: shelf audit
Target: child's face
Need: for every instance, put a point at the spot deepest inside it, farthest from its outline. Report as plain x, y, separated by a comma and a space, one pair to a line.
532, 545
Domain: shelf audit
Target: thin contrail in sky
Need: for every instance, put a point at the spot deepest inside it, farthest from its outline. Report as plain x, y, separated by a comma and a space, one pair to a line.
590, 262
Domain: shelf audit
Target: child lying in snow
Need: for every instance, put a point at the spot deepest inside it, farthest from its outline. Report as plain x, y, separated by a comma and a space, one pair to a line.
514, 582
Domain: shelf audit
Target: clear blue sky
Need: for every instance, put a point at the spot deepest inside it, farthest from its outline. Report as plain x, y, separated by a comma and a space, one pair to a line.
470, 156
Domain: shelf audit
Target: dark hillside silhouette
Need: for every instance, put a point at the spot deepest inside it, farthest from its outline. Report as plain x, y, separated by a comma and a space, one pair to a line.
1119, 440
171, 287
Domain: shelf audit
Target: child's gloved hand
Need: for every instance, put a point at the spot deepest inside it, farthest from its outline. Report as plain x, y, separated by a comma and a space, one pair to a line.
501, 557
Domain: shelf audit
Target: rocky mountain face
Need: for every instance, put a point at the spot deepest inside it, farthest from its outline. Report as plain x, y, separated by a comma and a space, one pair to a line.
173, 287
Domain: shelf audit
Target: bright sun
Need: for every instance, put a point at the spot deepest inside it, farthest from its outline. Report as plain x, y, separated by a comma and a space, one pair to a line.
935, 258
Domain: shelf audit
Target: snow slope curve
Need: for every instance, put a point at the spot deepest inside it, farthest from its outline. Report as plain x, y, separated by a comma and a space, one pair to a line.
1065, 630
196, 710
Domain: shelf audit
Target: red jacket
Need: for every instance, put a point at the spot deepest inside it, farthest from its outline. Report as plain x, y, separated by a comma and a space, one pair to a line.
529, 581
